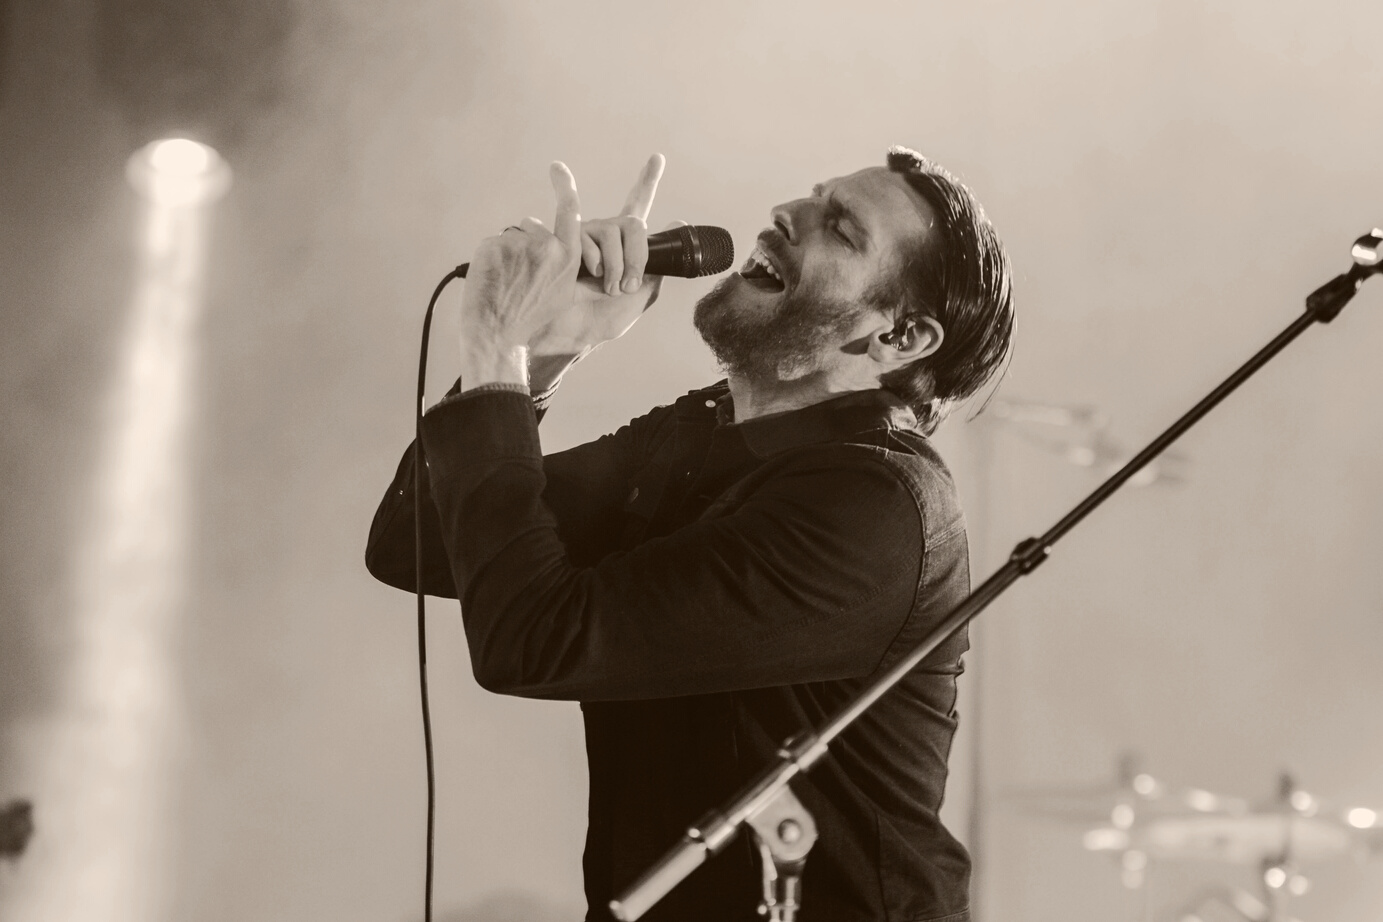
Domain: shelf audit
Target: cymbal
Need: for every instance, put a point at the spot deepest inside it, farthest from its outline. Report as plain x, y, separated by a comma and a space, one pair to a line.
1247, 838
1096, 804
1292, 826
1132, 796
1140, 814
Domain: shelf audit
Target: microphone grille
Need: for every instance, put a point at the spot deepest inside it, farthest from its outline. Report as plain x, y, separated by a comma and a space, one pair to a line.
717, 249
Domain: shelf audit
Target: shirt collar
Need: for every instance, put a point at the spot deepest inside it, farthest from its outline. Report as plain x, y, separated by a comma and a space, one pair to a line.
831, 420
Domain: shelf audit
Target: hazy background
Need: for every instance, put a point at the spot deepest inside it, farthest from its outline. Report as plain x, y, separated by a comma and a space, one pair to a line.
1171, 179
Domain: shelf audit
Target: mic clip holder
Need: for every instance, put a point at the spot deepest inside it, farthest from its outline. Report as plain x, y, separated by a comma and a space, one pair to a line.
1326, 302
784, 833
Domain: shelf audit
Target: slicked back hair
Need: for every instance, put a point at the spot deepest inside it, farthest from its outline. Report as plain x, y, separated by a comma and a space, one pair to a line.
959, 275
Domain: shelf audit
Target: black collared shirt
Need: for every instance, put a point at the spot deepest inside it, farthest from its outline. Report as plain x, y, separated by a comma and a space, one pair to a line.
707, 589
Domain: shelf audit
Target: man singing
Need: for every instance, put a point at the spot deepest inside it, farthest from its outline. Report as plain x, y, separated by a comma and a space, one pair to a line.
725, 572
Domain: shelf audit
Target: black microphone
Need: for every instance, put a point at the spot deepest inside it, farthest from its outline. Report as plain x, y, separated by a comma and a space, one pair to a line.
688, 252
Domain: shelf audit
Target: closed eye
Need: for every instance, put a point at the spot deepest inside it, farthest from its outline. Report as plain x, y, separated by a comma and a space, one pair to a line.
838, 215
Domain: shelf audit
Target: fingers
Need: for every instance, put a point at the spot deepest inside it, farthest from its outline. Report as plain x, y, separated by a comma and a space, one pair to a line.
532, 225
610, 254
635, 236
566, 226
640, 200
615, 250
590, 254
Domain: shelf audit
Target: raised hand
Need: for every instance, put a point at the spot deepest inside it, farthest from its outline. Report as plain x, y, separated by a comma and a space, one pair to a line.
614, 252
522, 299
518, 283
520, 280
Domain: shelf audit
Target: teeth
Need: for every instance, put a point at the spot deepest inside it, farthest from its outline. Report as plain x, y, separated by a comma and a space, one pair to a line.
761, 258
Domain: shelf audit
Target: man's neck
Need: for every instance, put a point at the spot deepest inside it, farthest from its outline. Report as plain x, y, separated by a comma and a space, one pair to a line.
755, 399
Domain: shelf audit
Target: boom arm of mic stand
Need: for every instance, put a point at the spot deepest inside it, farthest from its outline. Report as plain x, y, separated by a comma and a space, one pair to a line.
718, 828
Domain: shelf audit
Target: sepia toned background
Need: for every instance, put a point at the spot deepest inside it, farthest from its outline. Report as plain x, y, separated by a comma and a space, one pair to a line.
1171, 178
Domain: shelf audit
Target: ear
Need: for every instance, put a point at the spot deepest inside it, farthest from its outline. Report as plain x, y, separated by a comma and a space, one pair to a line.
907, 342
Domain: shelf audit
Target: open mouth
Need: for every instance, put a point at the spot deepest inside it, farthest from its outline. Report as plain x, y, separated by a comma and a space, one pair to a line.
760, 272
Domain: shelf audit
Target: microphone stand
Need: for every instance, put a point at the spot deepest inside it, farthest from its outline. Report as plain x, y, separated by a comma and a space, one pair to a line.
782, 827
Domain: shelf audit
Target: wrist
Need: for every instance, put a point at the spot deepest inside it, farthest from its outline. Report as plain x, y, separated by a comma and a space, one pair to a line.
492, 362
545, 371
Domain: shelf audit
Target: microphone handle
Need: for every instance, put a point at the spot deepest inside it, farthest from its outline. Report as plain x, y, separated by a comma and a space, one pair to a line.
671, 252
461, 270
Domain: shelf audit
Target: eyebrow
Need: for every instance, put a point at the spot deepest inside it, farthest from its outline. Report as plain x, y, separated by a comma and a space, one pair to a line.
844, 208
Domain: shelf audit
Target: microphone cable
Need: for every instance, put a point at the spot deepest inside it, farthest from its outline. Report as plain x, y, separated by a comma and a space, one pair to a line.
419, 471
690, 252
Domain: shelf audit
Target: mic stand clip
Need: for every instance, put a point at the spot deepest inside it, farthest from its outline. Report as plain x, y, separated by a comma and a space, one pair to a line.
784, 832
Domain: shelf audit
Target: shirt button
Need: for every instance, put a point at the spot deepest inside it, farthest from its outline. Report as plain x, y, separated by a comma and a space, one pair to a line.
710, 403
633, 495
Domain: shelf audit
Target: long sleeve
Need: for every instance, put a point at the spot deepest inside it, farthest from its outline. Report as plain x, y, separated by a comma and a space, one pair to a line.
586, 486
810, 578
389, 552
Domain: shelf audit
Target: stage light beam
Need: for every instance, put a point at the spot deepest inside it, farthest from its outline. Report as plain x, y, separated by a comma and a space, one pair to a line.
102, 765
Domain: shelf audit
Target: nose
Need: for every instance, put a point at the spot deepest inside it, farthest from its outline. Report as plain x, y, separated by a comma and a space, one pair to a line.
795, 219
783, 221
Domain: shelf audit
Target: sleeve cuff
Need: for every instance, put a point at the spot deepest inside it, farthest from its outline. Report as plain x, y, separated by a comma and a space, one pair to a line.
540, 399
482, 426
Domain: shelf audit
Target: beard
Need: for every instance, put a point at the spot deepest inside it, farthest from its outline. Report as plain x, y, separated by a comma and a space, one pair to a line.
788, 341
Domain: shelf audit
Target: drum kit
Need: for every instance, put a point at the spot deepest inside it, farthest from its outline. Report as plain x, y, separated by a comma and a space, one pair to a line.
1139, 820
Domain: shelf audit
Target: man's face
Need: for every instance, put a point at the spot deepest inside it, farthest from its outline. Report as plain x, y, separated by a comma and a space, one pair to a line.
802, 294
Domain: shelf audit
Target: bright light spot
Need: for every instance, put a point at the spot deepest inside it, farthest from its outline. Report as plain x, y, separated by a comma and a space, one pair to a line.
1122, 816
1105, 840
1298, 885
178, 171
1201, 800
180, 157
1144, 784
1361, 817
1275, 878
1368, 252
